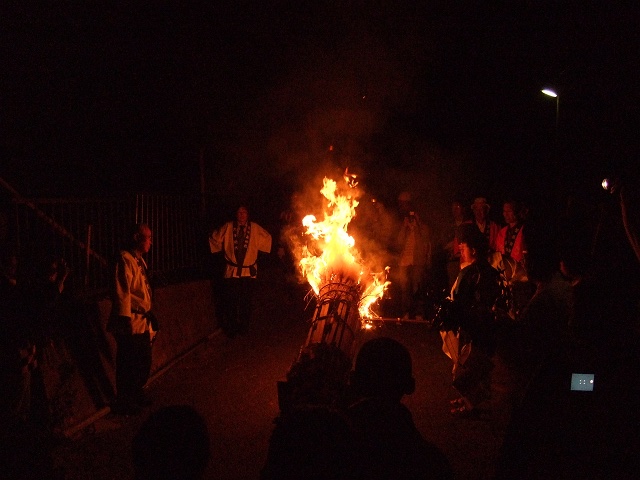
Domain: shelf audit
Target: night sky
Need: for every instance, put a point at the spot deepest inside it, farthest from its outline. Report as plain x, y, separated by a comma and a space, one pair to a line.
425, 96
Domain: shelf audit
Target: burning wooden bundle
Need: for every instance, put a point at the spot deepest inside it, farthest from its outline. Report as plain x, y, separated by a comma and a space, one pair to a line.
344, 291
336, 320
321, 372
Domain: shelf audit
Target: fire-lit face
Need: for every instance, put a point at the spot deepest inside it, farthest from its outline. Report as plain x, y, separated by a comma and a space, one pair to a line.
467, 254
242, 215
509, 214
143, 239
480, 212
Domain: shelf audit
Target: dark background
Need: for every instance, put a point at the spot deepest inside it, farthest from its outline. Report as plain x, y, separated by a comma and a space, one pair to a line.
261, 97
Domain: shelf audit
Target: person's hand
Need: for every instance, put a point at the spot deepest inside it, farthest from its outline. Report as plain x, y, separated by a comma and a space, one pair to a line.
411, 220
125, 325
153, 320
120, 325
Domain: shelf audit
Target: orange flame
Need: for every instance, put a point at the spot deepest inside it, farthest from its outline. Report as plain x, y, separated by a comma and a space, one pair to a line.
331, 255
373, 291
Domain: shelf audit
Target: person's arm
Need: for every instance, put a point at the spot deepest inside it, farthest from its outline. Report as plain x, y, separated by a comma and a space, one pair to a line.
120, 319
216, 239
123, 278
264, 238
403, 233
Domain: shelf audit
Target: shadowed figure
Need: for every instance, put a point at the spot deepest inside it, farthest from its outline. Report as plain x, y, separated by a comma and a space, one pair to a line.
314, 442
172, 444
559, 429
475, 298
391, 444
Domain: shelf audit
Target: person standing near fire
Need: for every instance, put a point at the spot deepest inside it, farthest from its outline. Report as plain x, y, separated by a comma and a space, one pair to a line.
414, 259
510, 240
476, 296
487, 227
240, 241
459, 215
132, 323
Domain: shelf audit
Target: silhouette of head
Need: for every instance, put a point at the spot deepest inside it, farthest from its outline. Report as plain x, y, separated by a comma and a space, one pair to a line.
173, 443
383, 369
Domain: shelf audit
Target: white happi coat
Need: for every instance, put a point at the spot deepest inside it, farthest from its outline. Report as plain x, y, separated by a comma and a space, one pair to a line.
222, 240
132, 293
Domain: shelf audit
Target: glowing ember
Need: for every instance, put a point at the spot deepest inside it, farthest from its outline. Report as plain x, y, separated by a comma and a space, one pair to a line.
331, 255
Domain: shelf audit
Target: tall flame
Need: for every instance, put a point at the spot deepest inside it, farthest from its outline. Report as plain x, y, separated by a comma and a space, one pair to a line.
331, 255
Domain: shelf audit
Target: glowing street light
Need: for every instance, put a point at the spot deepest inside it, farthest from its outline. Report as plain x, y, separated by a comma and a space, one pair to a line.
552, 93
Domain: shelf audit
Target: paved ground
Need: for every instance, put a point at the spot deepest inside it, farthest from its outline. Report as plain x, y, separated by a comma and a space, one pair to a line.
233, 384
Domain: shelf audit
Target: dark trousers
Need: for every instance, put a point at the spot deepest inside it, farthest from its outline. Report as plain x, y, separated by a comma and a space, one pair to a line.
133, 365
237, 305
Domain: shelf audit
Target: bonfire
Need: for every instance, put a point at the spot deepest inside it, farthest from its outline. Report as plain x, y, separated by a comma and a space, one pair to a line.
345, 289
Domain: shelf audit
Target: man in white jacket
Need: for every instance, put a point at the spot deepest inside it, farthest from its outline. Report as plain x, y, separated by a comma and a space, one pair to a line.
130, 323
240, 240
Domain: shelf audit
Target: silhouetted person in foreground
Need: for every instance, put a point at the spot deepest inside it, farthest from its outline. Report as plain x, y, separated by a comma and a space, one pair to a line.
312, 443
392, 445
26, 440
172, 444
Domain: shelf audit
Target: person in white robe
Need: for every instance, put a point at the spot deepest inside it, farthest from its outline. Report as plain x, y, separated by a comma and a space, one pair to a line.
240, 241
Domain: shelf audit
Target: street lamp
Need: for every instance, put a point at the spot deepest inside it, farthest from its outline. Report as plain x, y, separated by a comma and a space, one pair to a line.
556, 189
552, 93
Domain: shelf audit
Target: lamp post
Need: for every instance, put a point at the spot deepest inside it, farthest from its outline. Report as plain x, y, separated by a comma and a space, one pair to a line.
552, 93
557, 187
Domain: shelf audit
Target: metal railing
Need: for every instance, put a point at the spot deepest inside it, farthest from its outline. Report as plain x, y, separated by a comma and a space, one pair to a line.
88, 233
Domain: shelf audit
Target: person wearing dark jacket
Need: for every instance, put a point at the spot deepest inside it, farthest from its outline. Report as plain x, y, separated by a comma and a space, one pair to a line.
475, 295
